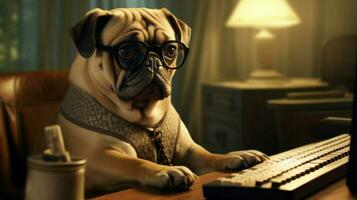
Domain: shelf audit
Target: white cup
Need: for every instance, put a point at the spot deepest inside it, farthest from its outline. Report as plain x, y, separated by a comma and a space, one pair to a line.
49, 180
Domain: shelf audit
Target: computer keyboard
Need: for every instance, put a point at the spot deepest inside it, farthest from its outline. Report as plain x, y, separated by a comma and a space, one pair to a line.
292, 174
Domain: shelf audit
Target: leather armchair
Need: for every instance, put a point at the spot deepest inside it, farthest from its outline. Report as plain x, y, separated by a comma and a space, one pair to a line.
29, 101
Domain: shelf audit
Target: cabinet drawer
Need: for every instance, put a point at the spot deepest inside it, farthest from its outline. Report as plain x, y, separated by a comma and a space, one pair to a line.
220, 101
220, 137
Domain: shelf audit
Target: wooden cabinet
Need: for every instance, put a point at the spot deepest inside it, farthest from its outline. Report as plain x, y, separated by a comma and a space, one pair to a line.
235, 115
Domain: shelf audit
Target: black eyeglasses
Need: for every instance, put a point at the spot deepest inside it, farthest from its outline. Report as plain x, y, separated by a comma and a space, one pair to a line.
131, 54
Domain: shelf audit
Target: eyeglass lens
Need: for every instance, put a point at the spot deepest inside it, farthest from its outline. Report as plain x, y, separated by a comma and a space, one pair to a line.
131, 54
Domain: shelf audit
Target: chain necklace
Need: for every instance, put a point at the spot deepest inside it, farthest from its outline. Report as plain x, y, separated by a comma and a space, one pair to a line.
160, 149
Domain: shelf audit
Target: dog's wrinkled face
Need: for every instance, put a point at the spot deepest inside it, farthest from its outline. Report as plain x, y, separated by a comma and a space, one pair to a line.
151, 81
124, 29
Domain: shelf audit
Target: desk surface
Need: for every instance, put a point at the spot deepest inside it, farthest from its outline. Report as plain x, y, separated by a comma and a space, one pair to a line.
337, 190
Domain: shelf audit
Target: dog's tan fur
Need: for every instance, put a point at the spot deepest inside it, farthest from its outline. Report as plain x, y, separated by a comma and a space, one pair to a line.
112, 161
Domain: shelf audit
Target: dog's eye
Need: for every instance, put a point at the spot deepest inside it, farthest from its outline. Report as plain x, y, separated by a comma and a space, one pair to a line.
126, 52
171, 51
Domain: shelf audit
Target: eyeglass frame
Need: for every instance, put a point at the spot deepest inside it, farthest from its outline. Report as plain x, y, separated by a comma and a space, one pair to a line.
156, 49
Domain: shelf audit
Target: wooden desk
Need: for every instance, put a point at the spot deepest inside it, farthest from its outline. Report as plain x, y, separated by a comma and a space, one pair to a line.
335, 191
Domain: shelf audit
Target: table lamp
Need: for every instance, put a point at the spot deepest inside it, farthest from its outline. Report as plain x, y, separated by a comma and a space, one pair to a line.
264, 15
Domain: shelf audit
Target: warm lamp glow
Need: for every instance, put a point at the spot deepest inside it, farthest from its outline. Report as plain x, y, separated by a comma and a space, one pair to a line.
263, 14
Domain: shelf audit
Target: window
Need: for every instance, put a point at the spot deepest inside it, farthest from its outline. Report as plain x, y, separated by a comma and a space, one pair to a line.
9, 41
34, 33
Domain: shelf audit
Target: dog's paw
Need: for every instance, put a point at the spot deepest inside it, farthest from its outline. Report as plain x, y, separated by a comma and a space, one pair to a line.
238, 160
172, 178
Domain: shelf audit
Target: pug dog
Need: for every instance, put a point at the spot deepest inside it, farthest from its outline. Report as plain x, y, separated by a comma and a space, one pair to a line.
118, 113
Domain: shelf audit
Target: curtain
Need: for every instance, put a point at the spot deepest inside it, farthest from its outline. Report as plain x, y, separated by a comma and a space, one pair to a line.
213, 57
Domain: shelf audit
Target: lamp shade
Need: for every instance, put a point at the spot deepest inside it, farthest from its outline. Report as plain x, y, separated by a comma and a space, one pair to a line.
263, 14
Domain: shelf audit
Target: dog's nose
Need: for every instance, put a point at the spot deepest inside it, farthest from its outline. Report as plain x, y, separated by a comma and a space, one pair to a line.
153, 62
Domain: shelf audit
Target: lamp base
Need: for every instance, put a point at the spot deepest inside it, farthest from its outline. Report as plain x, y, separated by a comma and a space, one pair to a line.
265, 54
267, 76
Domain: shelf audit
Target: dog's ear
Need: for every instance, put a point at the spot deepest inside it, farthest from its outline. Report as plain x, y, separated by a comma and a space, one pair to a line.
182, 30
86, 32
